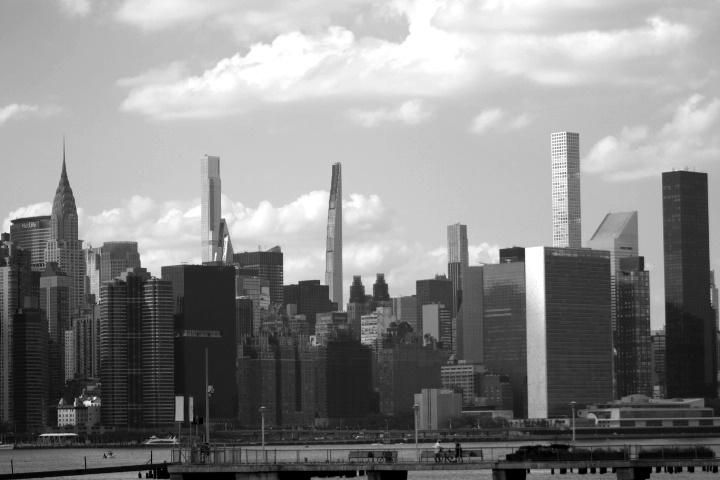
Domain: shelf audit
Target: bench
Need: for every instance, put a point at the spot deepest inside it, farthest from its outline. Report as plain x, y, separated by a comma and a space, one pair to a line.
389, 456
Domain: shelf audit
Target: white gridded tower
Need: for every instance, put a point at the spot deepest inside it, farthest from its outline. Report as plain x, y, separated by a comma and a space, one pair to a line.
209, 207
565, 149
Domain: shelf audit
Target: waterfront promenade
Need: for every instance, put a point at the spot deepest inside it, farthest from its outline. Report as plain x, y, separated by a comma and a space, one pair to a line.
386, 462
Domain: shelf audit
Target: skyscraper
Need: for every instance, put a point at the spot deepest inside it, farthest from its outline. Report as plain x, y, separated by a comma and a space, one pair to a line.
64, 247
689, 320
333, 253
632, 342
30, 369
32, 234
457, 259
381, 293
618, 233
310, 298
215, 238
108, 262
55, 305
432, 290
569, 336
470, 317
269, 265
565, 152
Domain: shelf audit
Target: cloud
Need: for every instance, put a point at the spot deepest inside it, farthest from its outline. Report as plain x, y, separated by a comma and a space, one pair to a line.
172, 72
411, 112
690, 138
442, 53
34, 210
498, 119
75, 8
21, 110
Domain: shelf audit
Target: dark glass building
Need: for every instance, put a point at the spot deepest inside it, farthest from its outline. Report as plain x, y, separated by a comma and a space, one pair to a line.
310, 298
205, 318
357, 290
689, 321
633, 363
569, 331
505, 331
30, 369
269, 265
380, 289
344, 380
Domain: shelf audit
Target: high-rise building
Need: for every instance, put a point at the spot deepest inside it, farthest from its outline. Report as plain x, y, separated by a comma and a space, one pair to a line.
310, 298
15, 286
657, 337
32, 234
55, 304
30, 369
64, 246
505, 326
618, 233
86, 342
457, 259
470, 317
437, 325
432, 290
405, 310
333, 254
136, 350
689, 320
215, 238
569, 336
269, 265
633, 365
108, 262
380, 290
205, 320
565, 153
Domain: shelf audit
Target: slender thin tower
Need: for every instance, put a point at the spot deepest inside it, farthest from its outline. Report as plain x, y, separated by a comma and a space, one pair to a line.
209, 207
333, 252
565, 151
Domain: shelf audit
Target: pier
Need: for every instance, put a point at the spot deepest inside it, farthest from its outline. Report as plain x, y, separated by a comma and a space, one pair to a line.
393, 462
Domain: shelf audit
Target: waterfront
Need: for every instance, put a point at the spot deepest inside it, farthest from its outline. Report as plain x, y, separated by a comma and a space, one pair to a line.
64, 458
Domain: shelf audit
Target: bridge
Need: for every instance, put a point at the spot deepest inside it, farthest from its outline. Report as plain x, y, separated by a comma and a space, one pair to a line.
393, 462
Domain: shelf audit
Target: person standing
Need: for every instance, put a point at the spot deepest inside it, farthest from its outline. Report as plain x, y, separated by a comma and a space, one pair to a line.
458, 452
438, 449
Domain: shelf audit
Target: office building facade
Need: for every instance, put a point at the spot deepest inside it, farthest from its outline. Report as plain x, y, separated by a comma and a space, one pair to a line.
565, 153
569, 335
689, 320
269, 265
633, 346
432, 290
470, 327
333, 253
205, 320
310, 298
32, 234
30, 369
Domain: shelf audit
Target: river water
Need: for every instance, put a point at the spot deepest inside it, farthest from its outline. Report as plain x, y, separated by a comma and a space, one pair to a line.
67, 458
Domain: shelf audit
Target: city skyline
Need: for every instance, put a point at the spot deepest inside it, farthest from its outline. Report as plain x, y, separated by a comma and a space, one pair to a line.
634, 126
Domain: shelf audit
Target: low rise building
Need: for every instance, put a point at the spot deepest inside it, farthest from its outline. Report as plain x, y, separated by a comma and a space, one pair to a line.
83, 412
642, 411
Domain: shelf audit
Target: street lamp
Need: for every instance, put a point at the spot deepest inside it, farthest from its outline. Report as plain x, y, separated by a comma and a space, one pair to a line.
572, 405
262, 429
416, 408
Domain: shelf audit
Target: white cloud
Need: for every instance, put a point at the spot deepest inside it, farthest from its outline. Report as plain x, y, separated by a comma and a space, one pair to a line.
498, 119
411, 112
690, 139
76, 8
34, 210
440, 55
21, 110
172, 72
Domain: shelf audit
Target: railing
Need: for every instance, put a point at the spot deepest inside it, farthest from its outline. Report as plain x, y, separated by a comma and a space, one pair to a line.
224, 454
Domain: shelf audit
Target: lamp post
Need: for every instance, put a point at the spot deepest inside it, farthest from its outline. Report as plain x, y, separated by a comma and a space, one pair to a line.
416, 408
262, 430
572, 405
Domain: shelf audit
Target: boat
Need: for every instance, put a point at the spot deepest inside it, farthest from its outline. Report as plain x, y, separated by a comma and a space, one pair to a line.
6, 446
109, 454
160, 442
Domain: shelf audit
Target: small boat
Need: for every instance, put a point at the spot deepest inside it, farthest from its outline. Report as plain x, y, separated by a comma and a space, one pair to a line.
6, 446
160, 442
109, 454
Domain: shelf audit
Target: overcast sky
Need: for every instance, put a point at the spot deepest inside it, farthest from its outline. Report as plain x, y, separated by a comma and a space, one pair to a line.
440, 112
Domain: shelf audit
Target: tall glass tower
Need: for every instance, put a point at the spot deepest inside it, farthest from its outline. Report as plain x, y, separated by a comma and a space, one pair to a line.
689, 319
333, 253
565, 150
457, 259
209, 207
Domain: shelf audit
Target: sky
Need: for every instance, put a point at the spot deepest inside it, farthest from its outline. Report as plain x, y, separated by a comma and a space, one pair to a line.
439, 111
